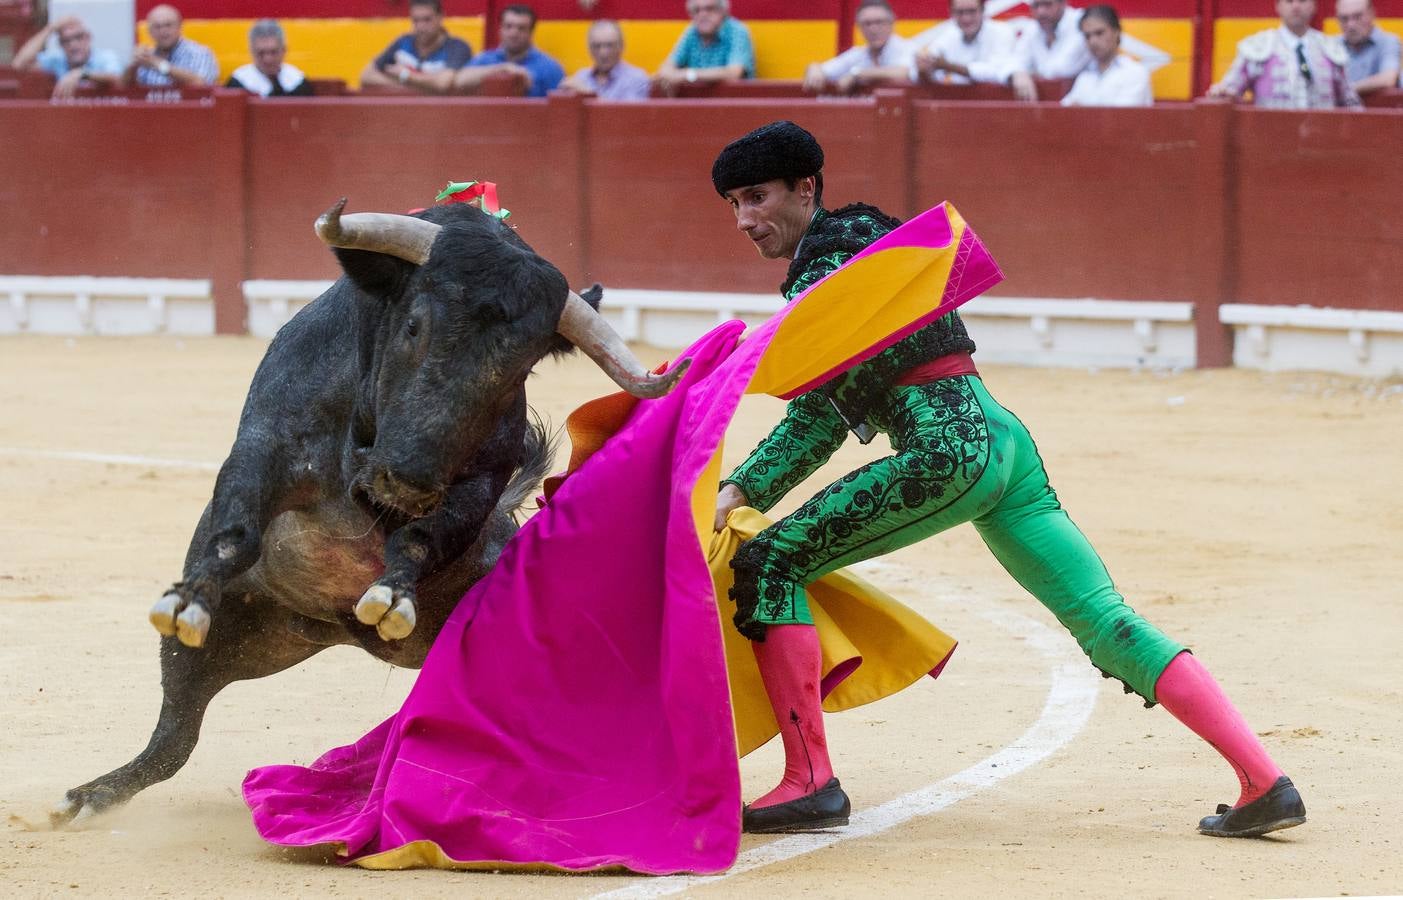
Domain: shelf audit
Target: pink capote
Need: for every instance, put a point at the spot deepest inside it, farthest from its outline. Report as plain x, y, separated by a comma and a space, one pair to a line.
574, 711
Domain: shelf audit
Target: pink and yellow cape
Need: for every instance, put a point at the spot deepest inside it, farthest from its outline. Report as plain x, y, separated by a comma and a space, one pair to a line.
575, 711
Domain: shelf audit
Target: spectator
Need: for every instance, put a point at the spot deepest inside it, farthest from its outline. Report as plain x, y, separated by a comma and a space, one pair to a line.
73, 61
1290, 67
885, 57
514, 56
1374, 54
426, 59
1111, 79
714, 47
269, 75
1053, 47
174, 60
610, 78
964, 48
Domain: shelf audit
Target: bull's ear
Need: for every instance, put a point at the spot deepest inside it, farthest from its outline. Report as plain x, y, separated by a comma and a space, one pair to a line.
378, 274
592, 295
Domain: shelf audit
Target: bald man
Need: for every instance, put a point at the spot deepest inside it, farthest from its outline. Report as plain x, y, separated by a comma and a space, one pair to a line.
173, 61
1374, 54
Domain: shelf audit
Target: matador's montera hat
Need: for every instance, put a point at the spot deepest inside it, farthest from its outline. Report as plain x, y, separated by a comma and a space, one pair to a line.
776, 150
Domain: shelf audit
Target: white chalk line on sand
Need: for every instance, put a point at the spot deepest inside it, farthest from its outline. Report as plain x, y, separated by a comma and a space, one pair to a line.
115, 459
1071, 696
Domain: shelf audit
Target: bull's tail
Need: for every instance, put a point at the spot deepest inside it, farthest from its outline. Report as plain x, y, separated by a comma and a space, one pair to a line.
536, 462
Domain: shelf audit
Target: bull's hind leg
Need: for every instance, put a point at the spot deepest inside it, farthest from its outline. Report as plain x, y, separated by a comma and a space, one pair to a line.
253, 640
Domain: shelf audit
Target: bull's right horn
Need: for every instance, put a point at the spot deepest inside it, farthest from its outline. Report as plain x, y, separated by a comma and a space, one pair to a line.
403, 236
588, 330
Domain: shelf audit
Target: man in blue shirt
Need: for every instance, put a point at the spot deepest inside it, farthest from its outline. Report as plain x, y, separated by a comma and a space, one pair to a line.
424, 60
715, 47
514, 58
1373, 53
73, 61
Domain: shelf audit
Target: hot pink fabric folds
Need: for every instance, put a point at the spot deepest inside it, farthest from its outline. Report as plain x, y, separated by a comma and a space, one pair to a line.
574, 711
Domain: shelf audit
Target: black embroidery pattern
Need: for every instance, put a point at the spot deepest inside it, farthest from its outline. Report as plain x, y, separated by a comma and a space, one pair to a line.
941, 451
832, 239
806, 437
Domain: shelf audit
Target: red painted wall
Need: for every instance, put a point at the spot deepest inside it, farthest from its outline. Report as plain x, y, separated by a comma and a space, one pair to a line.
1206, 202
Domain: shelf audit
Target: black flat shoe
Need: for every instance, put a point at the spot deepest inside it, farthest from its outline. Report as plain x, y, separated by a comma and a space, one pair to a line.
1278, 808
827, 807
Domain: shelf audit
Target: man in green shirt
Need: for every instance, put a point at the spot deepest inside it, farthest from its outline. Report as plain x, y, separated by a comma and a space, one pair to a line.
957, 456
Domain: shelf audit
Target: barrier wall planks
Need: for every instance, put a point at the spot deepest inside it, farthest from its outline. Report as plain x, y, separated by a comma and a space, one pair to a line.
1203, 203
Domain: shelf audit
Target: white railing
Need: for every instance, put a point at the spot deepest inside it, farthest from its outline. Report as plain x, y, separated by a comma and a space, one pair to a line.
85, 304
1306, 337
1024, 330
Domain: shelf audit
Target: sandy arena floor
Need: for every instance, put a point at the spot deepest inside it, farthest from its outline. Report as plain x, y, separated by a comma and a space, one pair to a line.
1256, 517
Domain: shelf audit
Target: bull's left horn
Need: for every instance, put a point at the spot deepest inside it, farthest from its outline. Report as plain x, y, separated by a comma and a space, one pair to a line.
588, 330
403, 236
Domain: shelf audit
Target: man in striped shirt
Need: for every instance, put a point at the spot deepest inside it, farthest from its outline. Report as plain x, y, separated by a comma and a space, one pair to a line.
174, 61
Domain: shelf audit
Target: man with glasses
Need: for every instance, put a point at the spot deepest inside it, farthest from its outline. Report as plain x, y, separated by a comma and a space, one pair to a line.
964, 48
610, 78
1374, 54
885, 57
714, 47
1292, 66
73, 61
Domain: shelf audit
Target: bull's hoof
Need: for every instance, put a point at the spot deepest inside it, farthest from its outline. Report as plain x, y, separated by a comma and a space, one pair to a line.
192, 625
374, 603
78, 806
392, 615
163, 614
398, 622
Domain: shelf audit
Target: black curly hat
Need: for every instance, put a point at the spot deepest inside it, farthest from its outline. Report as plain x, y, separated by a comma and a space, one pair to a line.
776, 150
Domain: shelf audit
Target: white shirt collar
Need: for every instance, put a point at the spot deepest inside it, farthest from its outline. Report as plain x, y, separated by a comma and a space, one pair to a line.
1292, 41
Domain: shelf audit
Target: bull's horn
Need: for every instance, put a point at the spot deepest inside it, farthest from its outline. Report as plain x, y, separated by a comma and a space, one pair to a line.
586, 329
403, 236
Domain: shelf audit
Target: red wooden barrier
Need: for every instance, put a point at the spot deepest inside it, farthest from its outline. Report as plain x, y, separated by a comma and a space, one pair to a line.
1205, 202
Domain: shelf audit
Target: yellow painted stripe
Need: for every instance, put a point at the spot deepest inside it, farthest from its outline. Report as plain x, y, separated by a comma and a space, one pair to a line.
323, 48
340, 48
1174, 80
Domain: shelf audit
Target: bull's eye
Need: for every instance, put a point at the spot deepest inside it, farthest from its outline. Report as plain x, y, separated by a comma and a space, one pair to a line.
411, 327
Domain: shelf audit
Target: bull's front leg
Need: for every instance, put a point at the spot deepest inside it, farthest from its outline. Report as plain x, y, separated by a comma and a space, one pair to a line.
226, 544
423, 545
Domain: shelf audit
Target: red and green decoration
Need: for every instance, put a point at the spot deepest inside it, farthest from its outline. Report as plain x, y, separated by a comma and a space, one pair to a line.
483, 193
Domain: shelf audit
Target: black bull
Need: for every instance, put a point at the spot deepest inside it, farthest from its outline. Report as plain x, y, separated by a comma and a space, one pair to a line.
382, 450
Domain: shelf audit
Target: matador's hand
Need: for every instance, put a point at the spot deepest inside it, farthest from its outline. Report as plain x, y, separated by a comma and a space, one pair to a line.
730, 497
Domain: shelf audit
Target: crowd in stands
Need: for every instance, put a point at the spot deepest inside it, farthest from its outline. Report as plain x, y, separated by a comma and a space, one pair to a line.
1290, 66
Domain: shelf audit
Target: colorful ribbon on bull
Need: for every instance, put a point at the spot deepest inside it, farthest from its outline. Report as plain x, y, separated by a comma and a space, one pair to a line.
485, 192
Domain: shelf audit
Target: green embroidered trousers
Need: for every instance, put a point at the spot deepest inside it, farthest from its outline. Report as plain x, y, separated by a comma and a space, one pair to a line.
958, 456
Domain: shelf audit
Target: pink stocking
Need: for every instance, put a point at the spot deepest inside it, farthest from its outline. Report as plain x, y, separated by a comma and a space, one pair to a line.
1192, 696
791, 666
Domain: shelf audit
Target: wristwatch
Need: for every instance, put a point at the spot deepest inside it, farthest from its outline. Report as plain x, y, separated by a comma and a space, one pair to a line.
164, 67
691, 76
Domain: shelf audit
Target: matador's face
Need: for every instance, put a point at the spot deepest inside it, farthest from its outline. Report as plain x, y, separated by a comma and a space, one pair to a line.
773, 215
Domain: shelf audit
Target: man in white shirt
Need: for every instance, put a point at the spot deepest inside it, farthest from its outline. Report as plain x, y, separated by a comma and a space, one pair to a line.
1110, 79
886, 56
1053, 47
964, 44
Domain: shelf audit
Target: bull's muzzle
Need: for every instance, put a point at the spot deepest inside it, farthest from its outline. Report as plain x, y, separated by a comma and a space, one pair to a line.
387, 490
